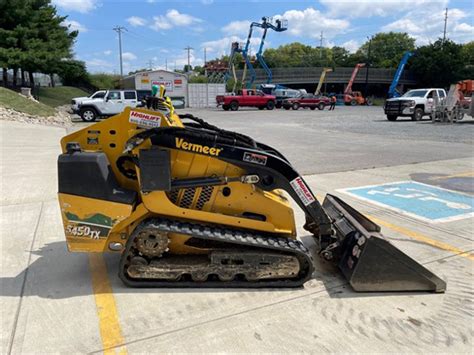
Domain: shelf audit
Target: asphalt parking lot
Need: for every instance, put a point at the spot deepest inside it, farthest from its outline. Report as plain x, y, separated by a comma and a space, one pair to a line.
54, 301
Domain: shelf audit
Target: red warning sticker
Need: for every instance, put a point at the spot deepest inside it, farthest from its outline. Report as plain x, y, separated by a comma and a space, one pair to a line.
144, 119
302, 191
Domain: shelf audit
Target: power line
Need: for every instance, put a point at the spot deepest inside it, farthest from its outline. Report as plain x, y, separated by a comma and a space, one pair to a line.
119, 30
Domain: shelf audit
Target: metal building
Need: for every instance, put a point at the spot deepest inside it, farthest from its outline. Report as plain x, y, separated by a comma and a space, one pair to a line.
176, 84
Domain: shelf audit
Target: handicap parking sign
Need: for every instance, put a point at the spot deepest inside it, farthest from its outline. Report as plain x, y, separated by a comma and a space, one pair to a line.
422, 201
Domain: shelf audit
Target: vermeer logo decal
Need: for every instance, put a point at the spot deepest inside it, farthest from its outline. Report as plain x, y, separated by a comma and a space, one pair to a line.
255, 158
198, 148
144, 119
302, 191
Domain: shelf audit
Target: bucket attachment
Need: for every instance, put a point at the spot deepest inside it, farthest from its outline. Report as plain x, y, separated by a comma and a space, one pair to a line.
368, 261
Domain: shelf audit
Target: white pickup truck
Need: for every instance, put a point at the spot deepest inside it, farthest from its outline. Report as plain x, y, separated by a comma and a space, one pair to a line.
414, 103
110, 103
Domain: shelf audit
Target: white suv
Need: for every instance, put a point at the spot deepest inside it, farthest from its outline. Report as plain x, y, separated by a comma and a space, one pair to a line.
112, 103
77, 101
414, 103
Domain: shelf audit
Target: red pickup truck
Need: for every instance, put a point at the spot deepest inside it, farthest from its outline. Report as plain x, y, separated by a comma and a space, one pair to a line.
249, 98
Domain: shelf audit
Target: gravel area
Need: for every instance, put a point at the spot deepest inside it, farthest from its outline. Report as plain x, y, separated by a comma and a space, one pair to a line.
62, 117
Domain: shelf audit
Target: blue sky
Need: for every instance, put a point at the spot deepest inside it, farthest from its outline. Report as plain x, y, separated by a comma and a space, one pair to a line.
158, 31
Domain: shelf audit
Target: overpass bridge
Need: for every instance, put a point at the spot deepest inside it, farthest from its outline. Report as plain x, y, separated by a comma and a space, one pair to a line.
340, 75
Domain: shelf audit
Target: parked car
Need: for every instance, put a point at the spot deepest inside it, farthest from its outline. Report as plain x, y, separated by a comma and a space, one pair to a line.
414, 103
76, 101
307, 101
112, 103
248, 98
283, 94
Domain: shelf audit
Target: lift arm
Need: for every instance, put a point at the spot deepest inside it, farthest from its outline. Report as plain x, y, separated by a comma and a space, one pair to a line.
321, 80
266, 24
353, 76
392, 91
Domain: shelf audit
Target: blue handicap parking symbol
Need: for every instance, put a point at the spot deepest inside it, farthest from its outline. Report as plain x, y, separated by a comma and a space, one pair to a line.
429, 203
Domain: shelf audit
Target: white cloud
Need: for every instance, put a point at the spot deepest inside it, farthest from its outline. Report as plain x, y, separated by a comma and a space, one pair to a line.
352, 45
74, 25
173, 18
369, 8
222, 46
426, 25
310, 22
464, 27
101, 64
151, 1
236, 28
82, 6
128, 56
108, 52
136, 21
207, 2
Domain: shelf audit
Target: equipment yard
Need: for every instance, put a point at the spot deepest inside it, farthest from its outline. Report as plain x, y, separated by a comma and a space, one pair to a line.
414, 179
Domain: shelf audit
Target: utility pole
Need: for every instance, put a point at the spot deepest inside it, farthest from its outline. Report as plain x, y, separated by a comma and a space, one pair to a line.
321, 45
119, 30
205, 61
166, 63
188, 48
445, 24
367, 68
150, 64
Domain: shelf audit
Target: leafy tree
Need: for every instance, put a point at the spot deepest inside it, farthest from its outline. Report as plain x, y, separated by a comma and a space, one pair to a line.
105, 80
73, 73
32, 37
198, 79
386, 49
230, 85
200, 70
439, 64
468, 53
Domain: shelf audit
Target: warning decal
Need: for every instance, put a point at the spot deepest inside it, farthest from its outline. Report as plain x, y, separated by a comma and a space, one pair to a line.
302, 191
144, 119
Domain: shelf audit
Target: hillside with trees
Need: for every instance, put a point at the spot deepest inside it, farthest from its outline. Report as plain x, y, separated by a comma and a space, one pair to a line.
33, 38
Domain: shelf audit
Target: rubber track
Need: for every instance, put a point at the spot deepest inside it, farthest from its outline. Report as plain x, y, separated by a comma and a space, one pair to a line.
227, 235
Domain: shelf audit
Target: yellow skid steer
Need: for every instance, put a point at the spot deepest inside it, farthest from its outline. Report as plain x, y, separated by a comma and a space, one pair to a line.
188, 204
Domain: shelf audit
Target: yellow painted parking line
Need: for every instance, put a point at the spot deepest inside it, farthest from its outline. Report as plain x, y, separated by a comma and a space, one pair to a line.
466, 174
109, 326
422, 238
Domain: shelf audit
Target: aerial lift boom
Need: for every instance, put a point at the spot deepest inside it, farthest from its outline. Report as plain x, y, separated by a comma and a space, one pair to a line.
348, 90
235, 48
321, 80
265, 25
392, 91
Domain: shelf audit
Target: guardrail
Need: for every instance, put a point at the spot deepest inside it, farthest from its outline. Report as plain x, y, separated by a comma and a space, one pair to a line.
340, 75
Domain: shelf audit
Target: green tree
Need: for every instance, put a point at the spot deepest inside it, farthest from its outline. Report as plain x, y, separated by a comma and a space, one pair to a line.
105, 80
468, 53
32, 37
386, 49
439, 64
74, 73
198, 79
